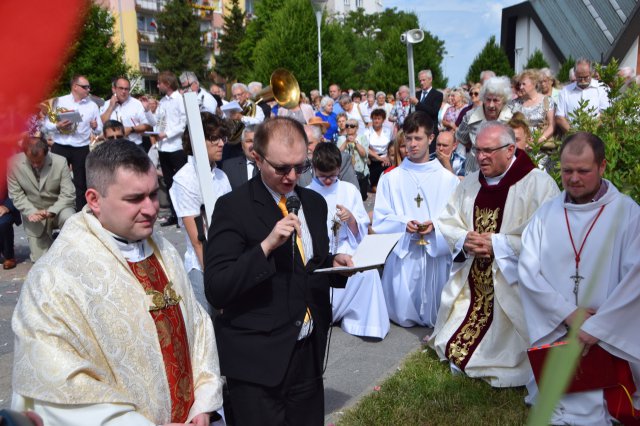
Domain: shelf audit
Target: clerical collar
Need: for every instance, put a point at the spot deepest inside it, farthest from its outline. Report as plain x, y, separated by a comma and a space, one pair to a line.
133, 251
496, 179
604, 186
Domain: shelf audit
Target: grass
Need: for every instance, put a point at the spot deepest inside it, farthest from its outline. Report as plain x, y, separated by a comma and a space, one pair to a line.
424, 392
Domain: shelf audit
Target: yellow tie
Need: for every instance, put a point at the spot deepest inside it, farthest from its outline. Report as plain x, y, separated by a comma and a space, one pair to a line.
283, 208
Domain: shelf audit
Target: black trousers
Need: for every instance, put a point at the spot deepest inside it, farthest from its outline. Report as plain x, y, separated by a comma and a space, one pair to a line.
298, 400
375, 171
6, 239
76, 157
170, 163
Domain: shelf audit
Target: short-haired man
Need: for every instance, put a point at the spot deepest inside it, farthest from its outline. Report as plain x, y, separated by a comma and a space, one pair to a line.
112, 129
580, 255
428, 99
409, 199
446, 153
584, 88
71, 140
171, 123
275, 310
252, 113
480, 328
41, 188
241, 169
107, 327
127, 110
335, 93
189, 83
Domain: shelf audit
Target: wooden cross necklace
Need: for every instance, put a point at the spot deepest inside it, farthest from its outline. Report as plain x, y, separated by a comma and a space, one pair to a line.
577, 278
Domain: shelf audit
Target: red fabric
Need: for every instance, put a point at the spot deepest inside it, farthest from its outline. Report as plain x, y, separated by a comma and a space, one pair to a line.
35, 40
172, 335
619, 402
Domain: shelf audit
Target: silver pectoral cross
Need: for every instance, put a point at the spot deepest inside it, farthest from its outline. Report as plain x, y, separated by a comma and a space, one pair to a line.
418, 199
576, 283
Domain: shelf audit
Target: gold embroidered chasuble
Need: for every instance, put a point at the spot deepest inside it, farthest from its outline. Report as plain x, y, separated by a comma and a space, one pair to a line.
480, 324
84, 334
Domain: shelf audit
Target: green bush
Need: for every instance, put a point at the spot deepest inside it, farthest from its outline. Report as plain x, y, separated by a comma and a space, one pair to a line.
618, 126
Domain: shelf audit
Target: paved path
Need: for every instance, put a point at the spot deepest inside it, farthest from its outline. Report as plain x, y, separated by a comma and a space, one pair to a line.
354, 367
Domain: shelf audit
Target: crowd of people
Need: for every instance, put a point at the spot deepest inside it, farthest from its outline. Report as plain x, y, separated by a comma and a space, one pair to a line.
491, 256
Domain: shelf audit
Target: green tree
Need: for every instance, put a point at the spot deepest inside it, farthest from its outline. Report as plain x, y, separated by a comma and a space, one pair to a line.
256, 28
565, 68
95, 54
536, 61
228, 63
492, 57
180, 45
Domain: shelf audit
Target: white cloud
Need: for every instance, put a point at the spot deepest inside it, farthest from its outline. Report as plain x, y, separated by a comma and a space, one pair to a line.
464, 26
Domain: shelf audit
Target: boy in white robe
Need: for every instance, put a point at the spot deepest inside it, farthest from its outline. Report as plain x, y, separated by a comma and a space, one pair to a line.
599, 273
360, 305
409, 199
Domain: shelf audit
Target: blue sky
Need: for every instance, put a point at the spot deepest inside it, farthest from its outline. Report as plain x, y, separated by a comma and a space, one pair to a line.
464, 25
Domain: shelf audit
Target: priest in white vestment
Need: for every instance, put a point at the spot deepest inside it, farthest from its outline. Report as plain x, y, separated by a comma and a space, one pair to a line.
107, 328
360, 306
409, 199
599, 271
480, 328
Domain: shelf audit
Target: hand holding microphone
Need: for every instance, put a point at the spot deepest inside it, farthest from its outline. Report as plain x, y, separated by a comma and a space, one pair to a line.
284, 228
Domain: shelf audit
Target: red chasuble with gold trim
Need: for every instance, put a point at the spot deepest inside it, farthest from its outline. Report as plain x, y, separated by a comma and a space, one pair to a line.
488, 211
167, 315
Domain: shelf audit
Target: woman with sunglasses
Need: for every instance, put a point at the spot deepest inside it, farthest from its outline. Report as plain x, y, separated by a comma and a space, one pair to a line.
357, 146
474, 95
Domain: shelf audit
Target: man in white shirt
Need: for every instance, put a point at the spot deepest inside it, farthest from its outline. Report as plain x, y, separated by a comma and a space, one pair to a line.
242, 95
367, 106
584, 88
189, 83
71, 140
171, 122
127, 110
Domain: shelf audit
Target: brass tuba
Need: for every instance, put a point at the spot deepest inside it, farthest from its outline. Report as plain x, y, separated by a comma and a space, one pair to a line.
283, 88
52, 111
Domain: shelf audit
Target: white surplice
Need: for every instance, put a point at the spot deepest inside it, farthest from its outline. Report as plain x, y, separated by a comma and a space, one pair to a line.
414, 274
610, 265
360, 305
500, 357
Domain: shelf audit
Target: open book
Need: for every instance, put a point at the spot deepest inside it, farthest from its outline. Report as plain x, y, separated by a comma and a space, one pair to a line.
371, 253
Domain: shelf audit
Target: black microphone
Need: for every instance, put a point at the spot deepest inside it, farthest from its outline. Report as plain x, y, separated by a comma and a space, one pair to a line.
293, 206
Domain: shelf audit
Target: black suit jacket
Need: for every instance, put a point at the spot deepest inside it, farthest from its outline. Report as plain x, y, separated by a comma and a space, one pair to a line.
264, 299
431, 105
236, 170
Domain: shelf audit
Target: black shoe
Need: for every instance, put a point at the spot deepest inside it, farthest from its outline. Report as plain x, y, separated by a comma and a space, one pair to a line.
172, 220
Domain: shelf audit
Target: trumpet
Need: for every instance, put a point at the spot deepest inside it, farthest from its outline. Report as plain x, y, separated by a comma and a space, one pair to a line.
52, 111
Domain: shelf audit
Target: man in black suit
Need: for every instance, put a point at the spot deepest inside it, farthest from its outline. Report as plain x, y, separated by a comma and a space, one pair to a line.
429, 100
240, 169
272, 331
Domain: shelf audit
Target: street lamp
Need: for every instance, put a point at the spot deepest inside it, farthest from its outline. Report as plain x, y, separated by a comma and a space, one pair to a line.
318, 7
410, 38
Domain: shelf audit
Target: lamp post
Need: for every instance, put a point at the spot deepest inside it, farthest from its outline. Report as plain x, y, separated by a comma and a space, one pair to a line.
410, 38
318, 7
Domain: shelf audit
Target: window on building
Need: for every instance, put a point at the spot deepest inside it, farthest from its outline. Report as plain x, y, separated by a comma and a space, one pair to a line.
147, 56
359, 3
347, 3
146, 23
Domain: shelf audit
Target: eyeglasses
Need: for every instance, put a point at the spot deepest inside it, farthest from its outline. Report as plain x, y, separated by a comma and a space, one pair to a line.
475, 93
215, 141
487, 151
351, 126
583, 77
285, 169
126, 89
114, 137
84, 86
